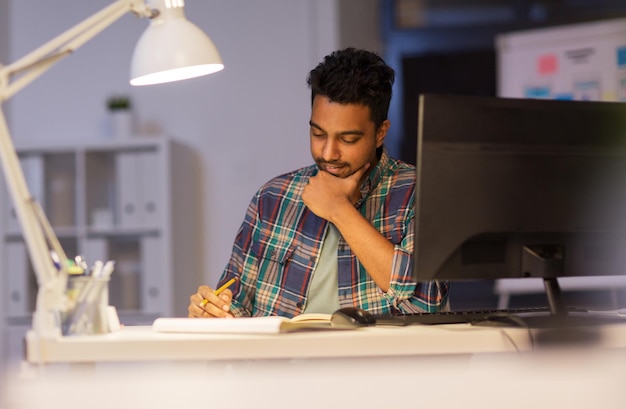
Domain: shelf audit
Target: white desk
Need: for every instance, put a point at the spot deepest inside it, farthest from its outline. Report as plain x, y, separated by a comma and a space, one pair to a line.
141, 344
447, 366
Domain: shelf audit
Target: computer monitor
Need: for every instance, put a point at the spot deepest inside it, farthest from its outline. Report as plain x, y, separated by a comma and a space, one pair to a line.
520, 188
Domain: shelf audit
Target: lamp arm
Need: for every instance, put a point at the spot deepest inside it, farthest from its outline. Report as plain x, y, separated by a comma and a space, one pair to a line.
38, 234
22, 200
51, 281
39, 60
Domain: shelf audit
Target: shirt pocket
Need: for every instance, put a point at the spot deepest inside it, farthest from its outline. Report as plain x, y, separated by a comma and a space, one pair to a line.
276, 252
272, 257
283, 273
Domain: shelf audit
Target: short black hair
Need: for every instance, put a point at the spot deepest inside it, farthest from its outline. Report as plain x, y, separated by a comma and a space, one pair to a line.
353, 76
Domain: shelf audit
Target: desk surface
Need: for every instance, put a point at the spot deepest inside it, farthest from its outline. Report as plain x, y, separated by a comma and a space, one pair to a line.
141, 344
447, 366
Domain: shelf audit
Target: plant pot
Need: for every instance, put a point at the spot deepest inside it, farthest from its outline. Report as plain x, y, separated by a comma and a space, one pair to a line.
122, 123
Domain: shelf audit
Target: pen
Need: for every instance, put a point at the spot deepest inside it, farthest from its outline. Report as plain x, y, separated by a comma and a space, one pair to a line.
219, 290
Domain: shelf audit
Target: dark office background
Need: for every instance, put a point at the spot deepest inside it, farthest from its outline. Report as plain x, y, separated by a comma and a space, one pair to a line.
447, 46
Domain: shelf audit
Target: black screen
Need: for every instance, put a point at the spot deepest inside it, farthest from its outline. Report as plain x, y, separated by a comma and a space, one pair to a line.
519, 188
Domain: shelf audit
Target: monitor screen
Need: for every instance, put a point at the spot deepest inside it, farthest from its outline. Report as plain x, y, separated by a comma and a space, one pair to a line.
519, 188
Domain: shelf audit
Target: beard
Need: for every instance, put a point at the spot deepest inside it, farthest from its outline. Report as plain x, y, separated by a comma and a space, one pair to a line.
335, 168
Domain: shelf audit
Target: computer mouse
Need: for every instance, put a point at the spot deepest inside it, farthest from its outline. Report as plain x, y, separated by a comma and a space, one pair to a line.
351, 317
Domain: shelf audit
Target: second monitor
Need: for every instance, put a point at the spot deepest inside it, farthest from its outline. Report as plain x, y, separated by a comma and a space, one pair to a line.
519, 188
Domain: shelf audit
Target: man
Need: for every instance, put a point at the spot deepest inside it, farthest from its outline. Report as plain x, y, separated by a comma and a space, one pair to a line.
338, 233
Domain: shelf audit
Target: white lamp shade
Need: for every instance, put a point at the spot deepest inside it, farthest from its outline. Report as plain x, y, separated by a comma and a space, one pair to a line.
172, 49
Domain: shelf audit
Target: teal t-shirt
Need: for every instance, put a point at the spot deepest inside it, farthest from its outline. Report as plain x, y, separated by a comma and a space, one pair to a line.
323, 293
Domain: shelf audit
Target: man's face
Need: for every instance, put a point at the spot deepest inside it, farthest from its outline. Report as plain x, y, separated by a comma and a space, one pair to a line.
343, 137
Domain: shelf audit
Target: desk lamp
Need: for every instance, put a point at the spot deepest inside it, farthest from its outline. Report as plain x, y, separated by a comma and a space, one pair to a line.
171, 49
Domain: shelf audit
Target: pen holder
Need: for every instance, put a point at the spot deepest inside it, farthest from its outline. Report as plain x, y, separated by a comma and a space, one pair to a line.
88, 298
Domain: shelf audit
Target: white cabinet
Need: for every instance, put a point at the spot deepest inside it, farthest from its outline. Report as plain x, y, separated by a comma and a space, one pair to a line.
134, 201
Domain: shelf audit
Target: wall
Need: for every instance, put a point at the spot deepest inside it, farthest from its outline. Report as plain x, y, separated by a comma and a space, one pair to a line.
4, 51
360, 24
246, 123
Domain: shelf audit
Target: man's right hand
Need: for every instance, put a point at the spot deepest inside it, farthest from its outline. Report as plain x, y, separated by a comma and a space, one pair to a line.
215, 306
325, 193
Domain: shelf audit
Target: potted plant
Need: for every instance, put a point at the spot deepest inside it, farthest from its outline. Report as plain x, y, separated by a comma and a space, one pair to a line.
120, 112
118, 102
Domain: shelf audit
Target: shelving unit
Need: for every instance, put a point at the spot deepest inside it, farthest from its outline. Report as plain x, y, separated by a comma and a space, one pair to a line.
134, 201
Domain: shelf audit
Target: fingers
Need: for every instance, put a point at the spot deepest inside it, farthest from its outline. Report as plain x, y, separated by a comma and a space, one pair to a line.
194, 310
205, 304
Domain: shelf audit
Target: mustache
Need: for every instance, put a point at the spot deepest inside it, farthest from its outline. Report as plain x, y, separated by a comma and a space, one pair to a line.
321, 163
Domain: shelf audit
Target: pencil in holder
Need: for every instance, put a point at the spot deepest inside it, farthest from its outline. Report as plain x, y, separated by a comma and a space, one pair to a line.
89, 298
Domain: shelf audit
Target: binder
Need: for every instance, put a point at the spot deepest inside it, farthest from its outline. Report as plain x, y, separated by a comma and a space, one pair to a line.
139, 185
16, 265
150, 211
128, 189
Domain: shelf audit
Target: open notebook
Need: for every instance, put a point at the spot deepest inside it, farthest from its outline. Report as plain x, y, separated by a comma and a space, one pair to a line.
256, 325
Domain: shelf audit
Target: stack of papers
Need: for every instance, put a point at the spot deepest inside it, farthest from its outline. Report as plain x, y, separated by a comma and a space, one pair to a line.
256, 325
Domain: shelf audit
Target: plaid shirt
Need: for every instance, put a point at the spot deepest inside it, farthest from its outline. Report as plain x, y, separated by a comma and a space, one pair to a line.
279, 242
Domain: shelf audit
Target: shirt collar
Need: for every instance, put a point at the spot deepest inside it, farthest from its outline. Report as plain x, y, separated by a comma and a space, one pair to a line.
374, 177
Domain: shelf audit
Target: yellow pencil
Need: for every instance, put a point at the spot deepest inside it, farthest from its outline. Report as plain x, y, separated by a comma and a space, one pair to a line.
219, 290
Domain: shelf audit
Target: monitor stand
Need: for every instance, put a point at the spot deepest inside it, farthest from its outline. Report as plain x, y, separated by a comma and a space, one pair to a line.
547, 261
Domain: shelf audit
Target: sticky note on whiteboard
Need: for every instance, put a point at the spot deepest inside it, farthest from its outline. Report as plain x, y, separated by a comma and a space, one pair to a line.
547, 64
